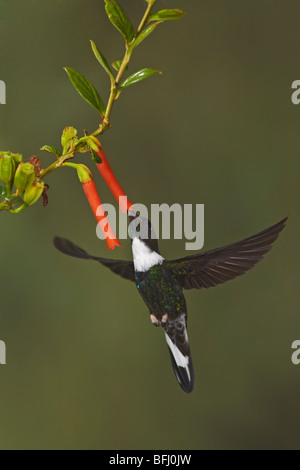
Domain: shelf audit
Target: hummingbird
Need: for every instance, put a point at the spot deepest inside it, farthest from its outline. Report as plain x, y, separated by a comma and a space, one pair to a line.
161, 282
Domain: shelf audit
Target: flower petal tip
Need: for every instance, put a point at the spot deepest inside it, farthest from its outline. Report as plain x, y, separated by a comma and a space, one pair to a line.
112, 243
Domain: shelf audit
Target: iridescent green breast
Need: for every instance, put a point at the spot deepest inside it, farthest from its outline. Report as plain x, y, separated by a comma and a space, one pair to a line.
159, 291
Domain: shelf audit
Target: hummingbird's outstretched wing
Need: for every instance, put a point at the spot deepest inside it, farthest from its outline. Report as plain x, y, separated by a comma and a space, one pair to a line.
178, 343
214, 267
124, 269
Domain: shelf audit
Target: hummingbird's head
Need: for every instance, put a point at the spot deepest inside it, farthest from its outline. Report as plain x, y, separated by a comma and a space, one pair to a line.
141, 228
144, 243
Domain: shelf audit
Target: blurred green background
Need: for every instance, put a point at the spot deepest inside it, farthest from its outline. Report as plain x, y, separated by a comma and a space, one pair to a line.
85, 368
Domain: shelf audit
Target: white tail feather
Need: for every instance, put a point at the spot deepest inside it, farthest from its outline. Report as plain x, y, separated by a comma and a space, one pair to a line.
180, 359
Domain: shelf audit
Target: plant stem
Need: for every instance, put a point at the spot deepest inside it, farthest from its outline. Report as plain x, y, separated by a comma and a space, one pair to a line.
8, 189
114, 90
19, 209
112, 97
56, 164
145, 17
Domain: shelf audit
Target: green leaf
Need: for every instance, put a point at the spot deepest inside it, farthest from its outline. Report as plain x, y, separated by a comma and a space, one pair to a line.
138, 76
95, 157
119, 19
117, 64
85, 89
49, 148
102, 61
143, 34
164, 15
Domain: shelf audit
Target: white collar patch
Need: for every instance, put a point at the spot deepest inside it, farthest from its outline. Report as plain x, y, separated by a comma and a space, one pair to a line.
143, 257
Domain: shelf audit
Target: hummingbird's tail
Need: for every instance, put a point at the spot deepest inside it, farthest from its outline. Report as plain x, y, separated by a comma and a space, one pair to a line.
178, 343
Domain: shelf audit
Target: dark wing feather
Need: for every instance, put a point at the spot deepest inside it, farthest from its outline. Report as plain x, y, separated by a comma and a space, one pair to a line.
214, 267
124, 269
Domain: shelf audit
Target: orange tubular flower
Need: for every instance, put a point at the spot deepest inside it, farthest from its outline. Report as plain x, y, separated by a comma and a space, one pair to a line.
90, 190
111, 180
92, 195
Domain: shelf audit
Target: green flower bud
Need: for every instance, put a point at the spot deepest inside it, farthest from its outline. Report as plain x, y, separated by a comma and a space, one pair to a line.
33, 192
7, 168
17, 156
69, 134
24, 176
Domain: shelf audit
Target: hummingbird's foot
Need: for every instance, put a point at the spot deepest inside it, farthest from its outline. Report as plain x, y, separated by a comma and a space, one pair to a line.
154, 320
